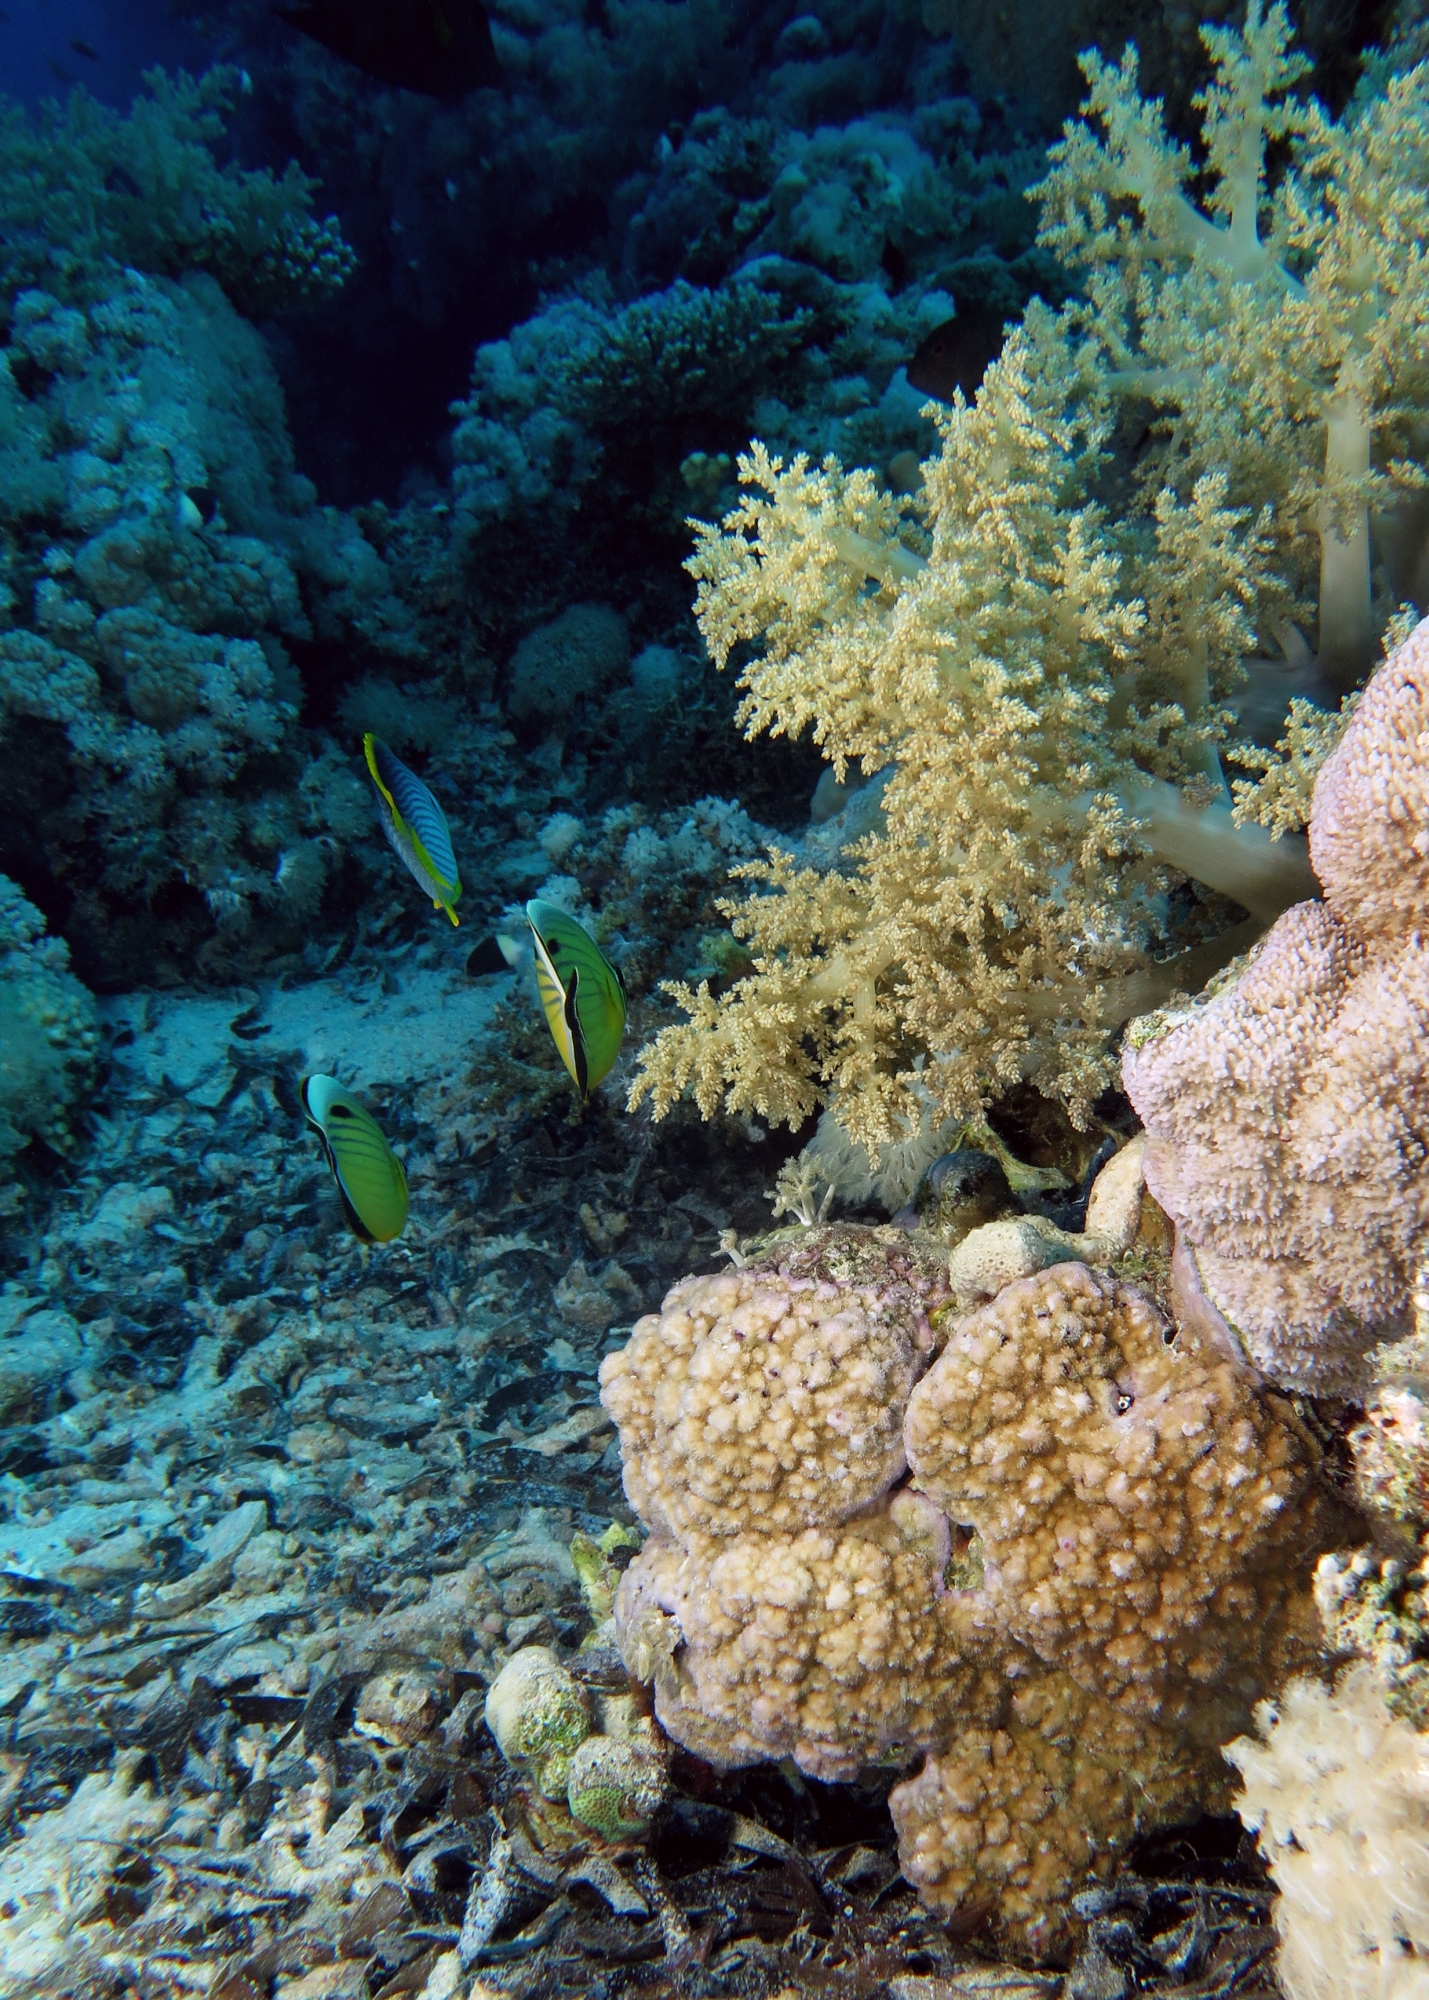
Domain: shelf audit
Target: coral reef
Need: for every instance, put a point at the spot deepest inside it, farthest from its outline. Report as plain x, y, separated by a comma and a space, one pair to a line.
160, 556
1287, 1110
1045, 654
49, 1037
84, 192
1099, 1560
554, 667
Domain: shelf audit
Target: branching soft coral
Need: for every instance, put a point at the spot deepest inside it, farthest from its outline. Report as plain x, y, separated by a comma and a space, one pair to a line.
147, 191
1282, 333
1047, 655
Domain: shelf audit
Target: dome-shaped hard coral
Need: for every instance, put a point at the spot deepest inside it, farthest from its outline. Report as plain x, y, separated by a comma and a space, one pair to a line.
837, 1646
771, 1397
1136, 1495
1099, 1559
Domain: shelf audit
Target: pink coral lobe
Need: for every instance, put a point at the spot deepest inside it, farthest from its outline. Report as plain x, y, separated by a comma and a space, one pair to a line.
1288, 1112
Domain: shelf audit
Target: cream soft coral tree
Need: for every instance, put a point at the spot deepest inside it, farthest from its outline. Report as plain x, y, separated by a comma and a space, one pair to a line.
1047, 654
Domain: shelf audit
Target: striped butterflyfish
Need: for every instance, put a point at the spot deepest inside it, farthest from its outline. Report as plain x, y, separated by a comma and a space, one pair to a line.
582, 992
415, 824
370, 1182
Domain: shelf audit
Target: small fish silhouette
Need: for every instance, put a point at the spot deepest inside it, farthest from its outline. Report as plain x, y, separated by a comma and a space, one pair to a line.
956, 354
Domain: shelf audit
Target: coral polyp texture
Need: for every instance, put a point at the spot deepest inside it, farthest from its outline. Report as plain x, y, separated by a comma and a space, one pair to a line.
1135, 1495
774, 1405
1042, 660
1337, 1789
835, 1646
1098, 1558
1288, 1111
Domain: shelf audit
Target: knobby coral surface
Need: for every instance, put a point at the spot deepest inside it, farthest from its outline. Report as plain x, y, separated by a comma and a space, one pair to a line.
49, 1035
1289, 1111
1099, 1560
1044, 656
773, 1404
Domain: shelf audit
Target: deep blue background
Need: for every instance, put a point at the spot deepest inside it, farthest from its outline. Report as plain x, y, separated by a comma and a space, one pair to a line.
38, 59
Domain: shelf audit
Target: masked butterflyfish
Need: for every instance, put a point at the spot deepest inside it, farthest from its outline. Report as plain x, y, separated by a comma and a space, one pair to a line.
369, 1176
416, 826
582, 992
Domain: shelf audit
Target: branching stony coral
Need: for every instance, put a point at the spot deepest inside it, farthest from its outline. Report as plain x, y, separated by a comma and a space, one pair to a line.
81, 187
579, 389
1054, 648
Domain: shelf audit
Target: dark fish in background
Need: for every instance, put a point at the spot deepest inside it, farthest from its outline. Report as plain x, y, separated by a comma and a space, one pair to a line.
440, 48
956, 354
84, 48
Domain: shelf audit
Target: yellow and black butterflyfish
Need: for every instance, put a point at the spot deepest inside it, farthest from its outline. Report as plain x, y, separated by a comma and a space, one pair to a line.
415, 824
582, 992
370, 1180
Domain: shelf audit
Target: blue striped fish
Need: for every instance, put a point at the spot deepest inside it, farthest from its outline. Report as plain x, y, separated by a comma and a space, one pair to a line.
415, 824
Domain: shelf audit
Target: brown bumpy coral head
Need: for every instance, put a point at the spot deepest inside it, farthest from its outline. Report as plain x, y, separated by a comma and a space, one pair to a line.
1143, 1517
840, 1647
1007, 1821
770, 1398
1135, 1491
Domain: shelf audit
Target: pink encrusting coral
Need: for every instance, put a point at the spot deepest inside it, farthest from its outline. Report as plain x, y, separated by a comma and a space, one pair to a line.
1288, 1112
1369, 824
